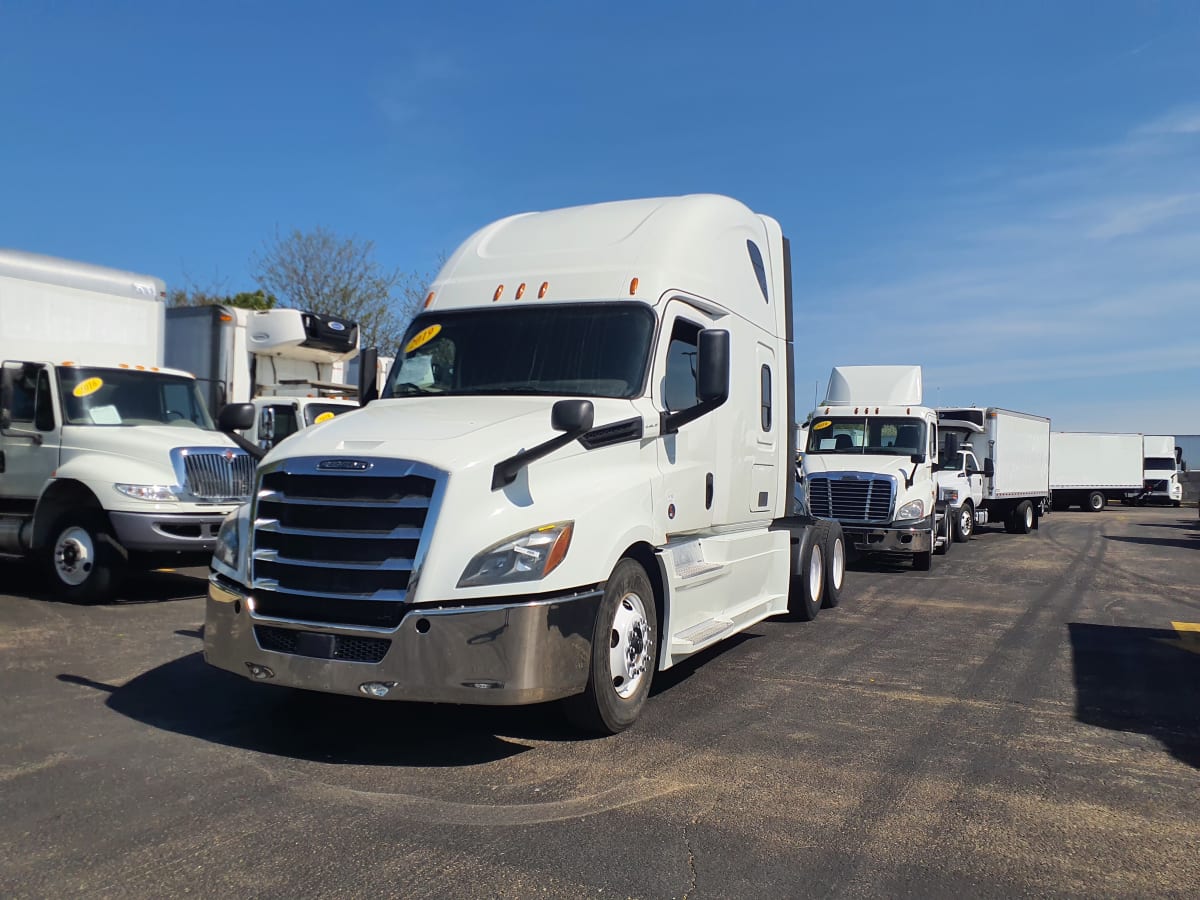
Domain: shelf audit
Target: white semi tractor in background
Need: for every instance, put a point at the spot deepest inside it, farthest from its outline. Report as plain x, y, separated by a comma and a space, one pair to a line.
870, 460
580, 473
993, 464
106, 457
1160, 473
291, 364
1088, 469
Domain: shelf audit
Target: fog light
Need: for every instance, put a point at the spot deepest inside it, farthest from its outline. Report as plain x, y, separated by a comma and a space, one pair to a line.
259, 672
376, 688
484, 685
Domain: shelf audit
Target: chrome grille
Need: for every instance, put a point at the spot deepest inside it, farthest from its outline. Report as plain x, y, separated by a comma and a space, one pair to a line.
339, 547
859, 499
218, 474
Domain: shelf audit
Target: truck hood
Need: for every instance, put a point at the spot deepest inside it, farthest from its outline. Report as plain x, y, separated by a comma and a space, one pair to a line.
445, 432
147, 443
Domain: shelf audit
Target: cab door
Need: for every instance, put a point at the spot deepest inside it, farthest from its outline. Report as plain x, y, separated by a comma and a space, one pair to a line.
974, 475
686, 459
29, 441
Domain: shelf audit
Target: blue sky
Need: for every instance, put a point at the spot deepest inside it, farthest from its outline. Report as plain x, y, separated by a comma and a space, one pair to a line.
1007, 194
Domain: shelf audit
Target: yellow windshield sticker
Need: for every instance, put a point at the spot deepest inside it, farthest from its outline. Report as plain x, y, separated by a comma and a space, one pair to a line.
422, 337
821, 425
323, 417
88, 387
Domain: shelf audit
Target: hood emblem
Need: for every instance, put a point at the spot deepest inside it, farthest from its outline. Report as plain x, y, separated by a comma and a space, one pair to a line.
345, 465
229, 456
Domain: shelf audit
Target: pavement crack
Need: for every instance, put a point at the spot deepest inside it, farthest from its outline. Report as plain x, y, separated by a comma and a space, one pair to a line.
691, 856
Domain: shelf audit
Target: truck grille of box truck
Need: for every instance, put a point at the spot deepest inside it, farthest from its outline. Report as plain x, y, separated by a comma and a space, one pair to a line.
861, 499
339, 548
218, 474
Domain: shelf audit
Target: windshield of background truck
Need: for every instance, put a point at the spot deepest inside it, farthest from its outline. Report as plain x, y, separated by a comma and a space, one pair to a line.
588, 350
323, 412
878, 435
130, 397
1160, 464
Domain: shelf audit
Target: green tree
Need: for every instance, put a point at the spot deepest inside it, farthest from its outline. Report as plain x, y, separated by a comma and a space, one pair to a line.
199, 297
320, 272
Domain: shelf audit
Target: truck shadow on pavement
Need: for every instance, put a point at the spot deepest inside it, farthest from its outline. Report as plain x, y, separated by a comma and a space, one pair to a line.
1192, 540
1140, 680
23, 580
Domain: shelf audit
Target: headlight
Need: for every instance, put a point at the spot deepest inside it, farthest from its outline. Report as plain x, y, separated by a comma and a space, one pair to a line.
914, 509
526, 557
950, 497
228, 542
157, 492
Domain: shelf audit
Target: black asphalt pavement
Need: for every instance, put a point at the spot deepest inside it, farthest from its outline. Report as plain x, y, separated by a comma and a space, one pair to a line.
1023, 720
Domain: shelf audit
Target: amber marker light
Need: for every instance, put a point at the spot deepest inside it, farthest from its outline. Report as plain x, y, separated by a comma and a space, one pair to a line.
542, 290
225, 317
558, 552
429, 300
633, 286
521, 291
499, 292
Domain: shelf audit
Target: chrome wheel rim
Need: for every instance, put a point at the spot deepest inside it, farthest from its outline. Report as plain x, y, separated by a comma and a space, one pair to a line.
965, 521
629, 645
1029, 517
74, 556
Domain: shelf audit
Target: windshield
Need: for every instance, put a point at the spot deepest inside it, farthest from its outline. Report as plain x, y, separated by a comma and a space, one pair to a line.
323, 412
130, 397
589, 350
879, 435
1160, 464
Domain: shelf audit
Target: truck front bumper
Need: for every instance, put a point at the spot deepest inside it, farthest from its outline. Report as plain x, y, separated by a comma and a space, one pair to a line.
505, 654
912, 537
174, 532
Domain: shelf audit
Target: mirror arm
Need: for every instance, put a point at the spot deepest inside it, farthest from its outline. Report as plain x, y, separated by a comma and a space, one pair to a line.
255, 451
671, 422
506, 470
34, 436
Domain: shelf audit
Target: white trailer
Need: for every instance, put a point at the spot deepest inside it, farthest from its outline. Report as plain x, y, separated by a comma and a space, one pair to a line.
106, 457
1160, 474
1087, 469
580, 473
993, 464
289, 363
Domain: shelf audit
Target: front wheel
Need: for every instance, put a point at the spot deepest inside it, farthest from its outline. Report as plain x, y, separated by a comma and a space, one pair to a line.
624, 654
964, 523
83, 561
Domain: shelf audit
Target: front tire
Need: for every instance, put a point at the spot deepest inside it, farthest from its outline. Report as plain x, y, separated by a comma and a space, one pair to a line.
964, 523
624, 654
82, 560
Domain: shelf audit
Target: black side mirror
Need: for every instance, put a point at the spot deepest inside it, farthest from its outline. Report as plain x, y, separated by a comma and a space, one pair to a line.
572, 415
713, 366
917, 458
368, 387
989, 467
236, 417
6, 393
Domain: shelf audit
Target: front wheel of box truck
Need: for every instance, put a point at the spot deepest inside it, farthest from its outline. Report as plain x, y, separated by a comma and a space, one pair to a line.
624, 654
964, 523
1096, 501
82, 560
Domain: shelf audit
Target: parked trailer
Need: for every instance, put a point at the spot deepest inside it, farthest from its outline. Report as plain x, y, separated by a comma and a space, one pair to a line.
106, 457
580, 473
1087, 469
993, 464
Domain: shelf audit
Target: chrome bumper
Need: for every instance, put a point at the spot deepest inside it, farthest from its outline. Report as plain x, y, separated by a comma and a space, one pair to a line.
914, 538
502, 654
188, 532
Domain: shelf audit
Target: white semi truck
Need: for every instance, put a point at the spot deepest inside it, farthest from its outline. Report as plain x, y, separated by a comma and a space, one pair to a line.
1087, 469
106, 457
870, 459
1160, 474
580, 473
289, 363
993, 464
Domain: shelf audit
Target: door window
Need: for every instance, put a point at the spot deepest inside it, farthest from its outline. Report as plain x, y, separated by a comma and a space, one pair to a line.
680, 386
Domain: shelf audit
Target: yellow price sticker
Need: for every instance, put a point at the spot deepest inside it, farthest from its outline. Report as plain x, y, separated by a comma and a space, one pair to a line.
422, 337
323, 417
821, 425
88, 387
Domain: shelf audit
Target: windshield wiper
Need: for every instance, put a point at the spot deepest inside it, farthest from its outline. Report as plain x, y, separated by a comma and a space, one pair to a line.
415, 388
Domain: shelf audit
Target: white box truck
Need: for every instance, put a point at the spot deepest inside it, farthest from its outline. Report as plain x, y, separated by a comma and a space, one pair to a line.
1087, 469
870, 459
289, 363
106, 457
1160, 473
992, 464
580, 473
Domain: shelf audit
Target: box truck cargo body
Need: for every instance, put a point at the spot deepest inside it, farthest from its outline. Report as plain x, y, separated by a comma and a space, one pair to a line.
106, 456
580, 472
289, 363
1087, 469
994, 464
